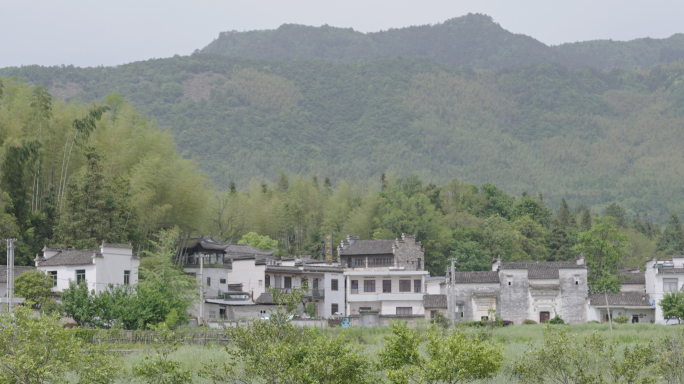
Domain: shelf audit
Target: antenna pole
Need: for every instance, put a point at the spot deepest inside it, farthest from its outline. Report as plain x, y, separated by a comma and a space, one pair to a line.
10, 273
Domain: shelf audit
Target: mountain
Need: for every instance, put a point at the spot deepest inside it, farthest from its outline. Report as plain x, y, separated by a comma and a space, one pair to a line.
472, 40
592, 136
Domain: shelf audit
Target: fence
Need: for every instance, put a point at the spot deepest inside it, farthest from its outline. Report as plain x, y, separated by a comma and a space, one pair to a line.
199, 337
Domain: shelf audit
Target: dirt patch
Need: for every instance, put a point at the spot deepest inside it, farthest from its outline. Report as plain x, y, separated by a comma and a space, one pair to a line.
199, 86
65, 90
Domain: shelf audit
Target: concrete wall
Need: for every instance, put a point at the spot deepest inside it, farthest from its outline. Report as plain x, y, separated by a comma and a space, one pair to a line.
250, 275
333, 297
67, 273
111, 266
215, 275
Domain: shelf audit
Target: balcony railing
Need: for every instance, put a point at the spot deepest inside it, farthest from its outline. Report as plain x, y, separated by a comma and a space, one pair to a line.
411, 265
313, 292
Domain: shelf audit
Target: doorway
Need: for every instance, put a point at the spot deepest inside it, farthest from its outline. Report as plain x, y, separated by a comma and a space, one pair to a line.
635, 318
544, 317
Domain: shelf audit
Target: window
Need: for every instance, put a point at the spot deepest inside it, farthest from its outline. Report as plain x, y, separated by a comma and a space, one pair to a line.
404, 285
433, 314
261, 282
365, 309
387, 286
359, 262
288, 282
209, 281
369, 285
222, 281
355, 286
222, 313
334, 308
416, 286
669, 285
333, 285
127, 277
419, 265
404, 311
80, 275
53, 276
268, 281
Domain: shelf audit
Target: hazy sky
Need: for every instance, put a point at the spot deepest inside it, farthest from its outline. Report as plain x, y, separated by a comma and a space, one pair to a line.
96, 32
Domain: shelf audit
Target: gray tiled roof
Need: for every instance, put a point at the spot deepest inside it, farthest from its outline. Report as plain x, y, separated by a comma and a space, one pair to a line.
70, 256
476, 277
17, 271
633, 278
628, 299
246, 249
112, 245
368, 247
542, 270
311, 268
434, 301
485, 293
544, 286
265, 298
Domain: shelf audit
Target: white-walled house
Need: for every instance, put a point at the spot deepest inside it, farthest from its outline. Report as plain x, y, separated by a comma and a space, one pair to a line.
110, 264
661, 277
384, 279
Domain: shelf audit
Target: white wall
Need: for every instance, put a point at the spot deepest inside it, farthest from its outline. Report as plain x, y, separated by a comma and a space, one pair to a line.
67, 273
251, 276
333, 296
111, 266
386, 303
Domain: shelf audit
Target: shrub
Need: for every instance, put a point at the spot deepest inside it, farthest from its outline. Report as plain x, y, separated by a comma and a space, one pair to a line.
621, 319
528, 321
441, 320
556, 320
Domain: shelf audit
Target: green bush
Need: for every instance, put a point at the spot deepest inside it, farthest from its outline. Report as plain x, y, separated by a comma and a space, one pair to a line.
528, 321
85, 334
441, 320
621, 319
556, 320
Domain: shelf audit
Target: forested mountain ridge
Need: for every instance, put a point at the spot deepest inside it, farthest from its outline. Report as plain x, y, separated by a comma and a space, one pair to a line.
472, 40
594, 137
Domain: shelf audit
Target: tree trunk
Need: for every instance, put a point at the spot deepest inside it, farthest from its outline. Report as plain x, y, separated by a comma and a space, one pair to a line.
610, 321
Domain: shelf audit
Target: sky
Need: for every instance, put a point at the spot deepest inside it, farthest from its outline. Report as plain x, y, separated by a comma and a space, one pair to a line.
89, 33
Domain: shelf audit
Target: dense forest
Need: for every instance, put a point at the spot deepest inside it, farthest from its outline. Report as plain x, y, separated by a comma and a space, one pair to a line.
472, 40
76, 174
593, 137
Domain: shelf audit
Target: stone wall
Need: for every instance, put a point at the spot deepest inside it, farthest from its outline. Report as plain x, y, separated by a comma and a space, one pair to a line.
573, 293
463, 296
409, 254
514, 296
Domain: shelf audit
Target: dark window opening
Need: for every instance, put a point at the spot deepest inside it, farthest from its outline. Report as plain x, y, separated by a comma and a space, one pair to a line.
369, 285
334, 308
288, 282
209, 281
222, 281
53, 276
404, 311
354, 286
404, 285
80, 275
334, 285
127, 277
387, 286
268, 281
416, 286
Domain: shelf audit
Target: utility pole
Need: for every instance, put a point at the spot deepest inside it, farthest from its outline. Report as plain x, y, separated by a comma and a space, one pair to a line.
201, 288
10, 273
451, 300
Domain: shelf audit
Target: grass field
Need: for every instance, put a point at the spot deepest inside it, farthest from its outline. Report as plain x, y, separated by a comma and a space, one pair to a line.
516, 339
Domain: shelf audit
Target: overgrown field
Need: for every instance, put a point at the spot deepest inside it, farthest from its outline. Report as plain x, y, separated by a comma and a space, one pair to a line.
517, 340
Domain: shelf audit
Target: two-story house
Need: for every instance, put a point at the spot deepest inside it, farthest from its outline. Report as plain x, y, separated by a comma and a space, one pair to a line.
110, 264
384, 279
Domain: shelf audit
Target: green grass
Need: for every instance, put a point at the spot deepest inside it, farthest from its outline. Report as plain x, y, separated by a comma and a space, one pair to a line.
517, 339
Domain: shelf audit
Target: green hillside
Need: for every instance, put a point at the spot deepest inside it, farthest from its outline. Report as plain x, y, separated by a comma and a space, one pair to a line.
592, 136
472, 40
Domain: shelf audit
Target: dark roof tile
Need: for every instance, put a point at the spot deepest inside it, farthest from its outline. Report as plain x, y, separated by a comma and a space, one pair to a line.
633, 278
265, 298
476, 277
368, 247
434, 301
70, 256
628, 299
17, 271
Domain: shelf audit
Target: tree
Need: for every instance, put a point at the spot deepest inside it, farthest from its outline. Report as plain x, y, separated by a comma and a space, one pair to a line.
672, 305
454, 357
77, 303
260, 242
500, 239
617, 212
33, 285
532, 238
585, 222
672, 239
603, 247
563, 214
560, 245
471, 256
534, 209
36, 350
228, 216
20, 157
